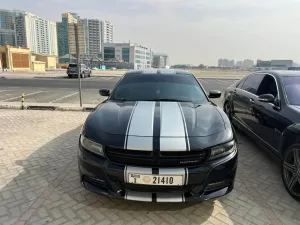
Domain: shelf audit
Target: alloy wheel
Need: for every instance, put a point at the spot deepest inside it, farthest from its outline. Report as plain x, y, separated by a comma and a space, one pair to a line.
291, 172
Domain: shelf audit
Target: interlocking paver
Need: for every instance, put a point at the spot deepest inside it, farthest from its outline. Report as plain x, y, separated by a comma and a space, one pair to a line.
39, 182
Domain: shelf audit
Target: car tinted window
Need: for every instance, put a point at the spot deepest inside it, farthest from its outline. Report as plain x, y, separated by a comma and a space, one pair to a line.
292, 89
72, 65
136, 87
252, 83
267, 86
240, 84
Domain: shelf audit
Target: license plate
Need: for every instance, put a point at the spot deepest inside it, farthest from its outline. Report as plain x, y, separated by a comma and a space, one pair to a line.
163, 180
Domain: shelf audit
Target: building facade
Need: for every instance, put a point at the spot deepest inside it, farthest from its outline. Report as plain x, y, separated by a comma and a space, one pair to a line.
107, 32
160, 60
7, 37
92, 32
139, 55
36, 33
63, 32
72, 39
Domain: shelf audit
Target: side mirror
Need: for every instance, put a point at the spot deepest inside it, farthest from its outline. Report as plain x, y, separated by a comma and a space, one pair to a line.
269, 98
104, 92
214, 94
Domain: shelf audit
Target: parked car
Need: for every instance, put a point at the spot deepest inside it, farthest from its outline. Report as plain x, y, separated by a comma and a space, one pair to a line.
85, 71
158, 137
266, 106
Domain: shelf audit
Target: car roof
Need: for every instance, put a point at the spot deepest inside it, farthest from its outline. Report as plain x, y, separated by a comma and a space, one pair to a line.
280, 73
158, 71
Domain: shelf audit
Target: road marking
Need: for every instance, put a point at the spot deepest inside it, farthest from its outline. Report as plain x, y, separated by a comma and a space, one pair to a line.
2, 90
107, 78
201, 80
67, 96
33, 93
224, 81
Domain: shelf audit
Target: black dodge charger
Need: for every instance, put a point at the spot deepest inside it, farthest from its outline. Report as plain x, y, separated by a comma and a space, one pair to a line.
158, 137
266, 105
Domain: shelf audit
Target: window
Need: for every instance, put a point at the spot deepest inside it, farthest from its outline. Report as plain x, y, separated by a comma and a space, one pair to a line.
136, 87
252, 83
268, 86
240, 84
292, 89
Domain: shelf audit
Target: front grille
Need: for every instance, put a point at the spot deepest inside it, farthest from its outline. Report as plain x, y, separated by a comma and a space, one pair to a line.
155, 189
148, 159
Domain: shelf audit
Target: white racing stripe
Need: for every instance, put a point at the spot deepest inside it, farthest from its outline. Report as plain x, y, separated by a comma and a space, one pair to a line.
140, 133
172, 128
67, 96
20, 96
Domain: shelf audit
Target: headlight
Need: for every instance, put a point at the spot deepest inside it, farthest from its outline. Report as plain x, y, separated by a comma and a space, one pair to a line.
91, 146
222, 150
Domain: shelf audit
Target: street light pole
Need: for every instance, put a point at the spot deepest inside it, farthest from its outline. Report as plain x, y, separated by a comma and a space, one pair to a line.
78, 64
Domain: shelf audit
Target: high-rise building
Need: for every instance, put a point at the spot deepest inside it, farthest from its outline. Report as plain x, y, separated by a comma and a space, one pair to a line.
63, 32
7, 37
92, 32
248, 64
8, 26
232, 63
72, 39
36, 33
107, 32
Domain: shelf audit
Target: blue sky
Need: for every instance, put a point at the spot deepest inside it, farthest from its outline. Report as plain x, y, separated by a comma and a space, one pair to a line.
191, 31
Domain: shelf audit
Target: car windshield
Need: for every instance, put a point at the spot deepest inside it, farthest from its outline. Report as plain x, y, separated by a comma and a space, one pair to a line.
292, 89
150, 87
72, 65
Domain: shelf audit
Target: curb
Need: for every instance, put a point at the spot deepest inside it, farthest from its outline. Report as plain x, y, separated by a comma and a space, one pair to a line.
51, 108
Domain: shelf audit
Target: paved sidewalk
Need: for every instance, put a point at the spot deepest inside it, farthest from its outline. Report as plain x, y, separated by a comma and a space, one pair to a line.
39, 182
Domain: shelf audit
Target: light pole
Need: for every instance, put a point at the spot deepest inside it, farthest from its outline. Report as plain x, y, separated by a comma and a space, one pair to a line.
78, 64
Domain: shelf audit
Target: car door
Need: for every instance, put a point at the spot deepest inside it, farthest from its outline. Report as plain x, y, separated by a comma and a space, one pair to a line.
270, 121
245, 98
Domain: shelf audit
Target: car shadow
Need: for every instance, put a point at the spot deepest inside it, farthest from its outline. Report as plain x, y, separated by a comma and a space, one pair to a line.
42, 187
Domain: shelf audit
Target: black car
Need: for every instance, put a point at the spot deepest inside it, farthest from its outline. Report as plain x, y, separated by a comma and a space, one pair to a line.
266, 105
159, 138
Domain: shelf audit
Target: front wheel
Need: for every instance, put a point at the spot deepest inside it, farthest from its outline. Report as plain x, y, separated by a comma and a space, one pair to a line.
290, 169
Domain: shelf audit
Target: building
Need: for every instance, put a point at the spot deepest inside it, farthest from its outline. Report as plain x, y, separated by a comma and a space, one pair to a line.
248, 64
139, 55
72, 39
7, 37
274, 65
239, 64
63, 32
160, 60
36, 33
15, 58
92, 33
232, 63
8, 27
107, 32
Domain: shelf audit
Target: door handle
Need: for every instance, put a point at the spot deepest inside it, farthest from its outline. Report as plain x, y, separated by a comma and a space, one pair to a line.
251, 100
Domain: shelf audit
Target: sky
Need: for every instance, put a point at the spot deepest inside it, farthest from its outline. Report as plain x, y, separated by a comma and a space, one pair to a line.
191, 31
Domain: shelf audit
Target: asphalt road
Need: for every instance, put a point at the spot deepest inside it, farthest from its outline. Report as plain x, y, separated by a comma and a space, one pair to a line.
64, 90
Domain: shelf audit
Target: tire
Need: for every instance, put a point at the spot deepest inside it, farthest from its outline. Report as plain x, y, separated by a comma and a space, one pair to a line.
291, 172
228, 110
70, 76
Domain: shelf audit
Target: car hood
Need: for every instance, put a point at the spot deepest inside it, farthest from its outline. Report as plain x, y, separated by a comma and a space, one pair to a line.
161, 119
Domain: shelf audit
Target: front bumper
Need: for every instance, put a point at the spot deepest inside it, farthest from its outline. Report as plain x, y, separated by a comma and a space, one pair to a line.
209, 181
